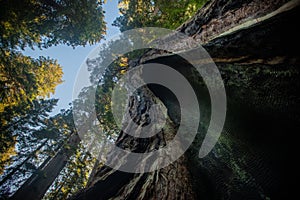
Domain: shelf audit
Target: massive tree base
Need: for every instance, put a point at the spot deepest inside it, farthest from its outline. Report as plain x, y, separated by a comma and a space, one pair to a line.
254, 44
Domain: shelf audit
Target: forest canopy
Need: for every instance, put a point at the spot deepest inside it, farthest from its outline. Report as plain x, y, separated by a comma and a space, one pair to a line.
155, 13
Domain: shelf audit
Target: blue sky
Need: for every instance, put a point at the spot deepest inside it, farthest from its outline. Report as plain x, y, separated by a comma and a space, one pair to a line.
71, 59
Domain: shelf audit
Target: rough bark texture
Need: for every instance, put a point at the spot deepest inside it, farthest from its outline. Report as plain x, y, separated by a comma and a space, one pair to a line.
252, 42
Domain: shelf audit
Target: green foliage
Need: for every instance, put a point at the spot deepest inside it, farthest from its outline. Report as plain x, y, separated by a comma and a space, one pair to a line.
44, 23
37, 137
7, 147
157, 13
25, 82
24, 79
73, 177
19, 129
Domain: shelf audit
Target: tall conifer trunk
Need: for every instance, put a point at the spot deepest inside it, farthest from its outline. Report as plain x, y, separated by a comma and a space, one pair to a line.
37, 185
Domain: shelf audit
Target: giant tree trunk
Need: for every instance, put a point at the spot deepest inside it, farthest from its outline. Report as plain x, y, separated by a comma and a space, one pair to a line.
252, 42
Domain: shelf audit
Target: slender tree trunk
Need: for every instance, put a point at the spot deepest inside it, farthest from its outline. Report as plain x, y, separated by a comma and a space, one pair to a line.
252, 43
8, 176
37, 185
